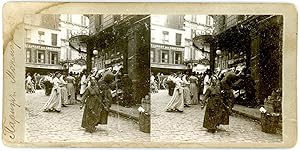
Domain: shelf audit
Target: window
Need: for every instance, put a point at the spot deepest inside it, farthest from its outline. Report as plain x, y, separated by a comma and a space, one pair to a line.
208, 20
165, 36
28, 34
178, 39
53, 57
194, 18
152, 55
165, 56
41, 36
40, 56
28, 55
69, 33
178, 56
54, 39
83, 21
152, 34
69, 18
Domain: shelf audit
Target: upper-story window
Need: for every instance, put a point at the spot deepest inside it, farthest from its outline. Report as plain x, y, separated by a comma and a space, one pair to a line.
208, 20
41, 36
194, 18
54, 39
178, 39
28, 34
165, 36
152, 34
69, 18
83, 20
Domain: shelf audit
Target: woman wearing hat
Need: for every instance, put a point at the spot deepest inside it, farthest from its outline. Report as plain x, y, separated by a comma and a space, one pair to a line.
54, 101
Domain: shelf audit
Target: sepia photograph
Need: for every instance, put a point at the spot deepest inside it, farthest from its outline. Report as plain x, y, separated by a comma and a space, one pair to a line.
87, 78
216, 78
142, 75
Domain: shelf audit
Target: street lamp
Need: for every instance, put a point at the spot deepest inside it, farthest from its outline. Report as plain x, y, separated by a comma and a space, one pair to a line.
218, 52
95, 52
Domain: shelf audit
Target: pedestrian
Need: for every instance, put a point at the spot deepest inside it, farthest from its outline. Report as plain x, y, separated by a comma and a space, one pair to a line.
48, 84
214, 108
171, 83
64, 91
158, 76
70, 89
186, 91
177, 101
153, 84
206, 81
83, 83
54, 101
96, 102
34, 82
28, 84
194, 89
226, 85
77, 85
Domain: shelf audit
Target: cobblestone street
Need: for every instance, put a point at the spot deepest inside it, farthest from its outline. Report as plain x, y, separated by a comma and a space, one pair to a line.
187, 126
66, 126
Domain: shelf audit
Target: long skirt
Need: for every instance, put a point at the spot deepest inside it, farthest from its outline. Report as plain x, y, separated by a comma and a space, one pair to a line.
177, 101
48, 88
54, 101
213, 113
93, 114
82, 88
194, 91
171, 86
64, 95
227, 106
186, 95
205, 87
71, 93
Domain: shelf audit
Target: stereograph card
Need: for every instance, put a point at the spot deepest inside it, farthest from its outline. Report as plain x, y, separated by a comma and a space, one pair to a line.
193, 75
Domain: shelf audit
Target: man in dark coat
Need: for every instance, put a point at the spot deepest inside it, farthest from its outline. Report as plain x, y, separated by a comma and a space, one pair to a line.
226, 85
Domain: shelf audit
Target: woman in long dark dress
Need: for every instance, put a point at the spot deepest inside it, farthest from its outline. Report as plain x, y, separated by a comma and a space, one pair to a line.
214, 109
97, 101
91, 100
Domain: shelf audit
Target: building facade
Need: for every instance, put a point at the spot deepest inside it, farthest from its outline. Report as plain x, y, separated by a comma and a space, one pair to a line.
254, 41
167, 43
198, 31
176, 42
72, 25
122, 41
42, 43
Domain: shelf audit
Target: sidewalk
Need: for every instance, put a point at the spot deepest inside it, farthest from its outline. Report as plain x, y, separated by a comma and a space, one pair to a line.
252, 113
131, 113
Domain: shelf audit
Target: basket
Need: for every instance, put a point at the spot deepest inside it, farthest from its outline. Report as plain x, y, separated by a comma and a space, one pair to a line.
269, 122
144, 122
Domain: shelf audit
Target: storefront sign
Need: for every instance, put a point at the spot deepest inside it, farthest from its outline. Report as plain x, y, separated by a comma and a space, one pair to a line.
42, 47
167, 47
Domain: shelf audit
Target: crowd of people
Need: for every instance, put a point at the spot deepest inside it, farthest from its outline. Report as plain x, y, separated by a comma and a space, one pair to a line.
95, 92
213, 90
